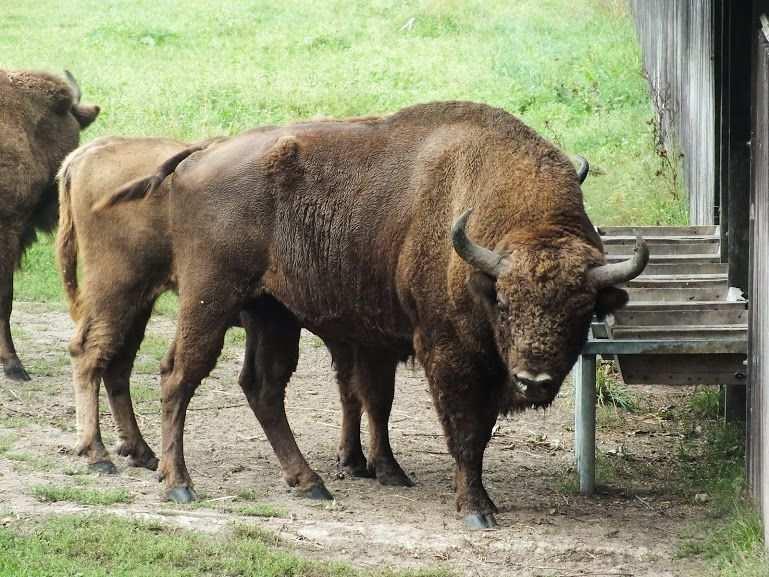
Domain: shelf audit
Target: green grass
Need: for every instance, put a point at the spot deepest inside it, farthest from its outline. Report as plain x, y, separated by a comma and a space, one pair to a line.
109, 547
81, 495
570, 69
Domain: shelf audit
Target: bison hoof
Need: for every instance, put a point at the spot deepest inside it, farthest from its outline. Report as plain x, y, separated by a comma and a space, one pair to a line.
103, 468
317, 493
145, 462
14, 370
393, 476
181, 495
143, 458
353, 468
480, 521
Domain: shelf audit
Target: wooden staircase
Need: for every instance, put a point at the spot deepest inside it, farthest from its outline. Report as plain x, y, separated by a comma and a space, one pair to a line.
683, 324
683, 295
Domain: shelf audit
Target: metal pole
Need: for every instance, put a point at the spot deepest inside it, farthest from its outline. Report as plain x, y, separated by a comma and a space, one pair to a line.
584, 422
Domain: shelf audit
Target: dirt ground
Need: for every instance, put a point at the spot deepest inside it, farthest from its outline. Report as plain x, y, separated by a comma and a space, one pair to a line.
545, 529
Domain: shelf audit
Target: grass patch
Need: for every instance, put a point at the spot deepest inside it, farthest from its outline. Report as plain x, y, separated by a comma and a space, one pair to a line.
712, 457
151, 352
86, 546
30, 460
81, 495
258, 510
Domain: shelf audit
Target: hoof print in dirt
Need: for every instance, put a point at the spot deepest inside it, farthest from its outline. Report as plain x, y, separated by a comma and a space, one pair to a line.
103, 468
316, 493
480, 521
15, 371
181, 495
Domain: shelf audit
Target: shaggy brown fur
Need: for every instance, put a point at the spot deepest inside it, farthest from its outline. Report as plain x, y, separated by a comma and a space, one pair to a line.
126, 260
40, 123
348, 225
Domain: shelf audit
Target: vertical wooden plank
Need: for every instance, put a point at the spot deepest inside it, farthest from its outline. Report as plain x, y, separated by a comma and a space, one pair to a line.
677, 40
584, 422
758, 439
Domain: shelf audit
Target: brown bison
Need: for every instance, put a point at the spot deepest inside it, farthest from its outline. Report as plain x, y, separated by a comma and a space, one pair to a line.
40, 122
360, 230
126, 261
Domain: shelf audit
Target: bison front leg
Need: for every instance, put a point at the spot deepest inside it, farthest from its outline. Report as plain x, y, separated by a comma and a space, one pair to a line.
272, 352
9, 256
467, 413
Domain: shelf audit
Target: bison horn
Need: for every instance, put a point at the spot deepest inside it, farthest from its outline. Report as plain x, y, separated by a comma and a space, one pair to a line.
481, 258
73, 85
617, 273
583, 169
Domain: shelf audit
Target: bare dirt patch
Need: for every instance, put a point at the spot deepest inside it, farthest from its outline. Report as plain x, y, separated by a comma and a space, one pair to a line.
631, 528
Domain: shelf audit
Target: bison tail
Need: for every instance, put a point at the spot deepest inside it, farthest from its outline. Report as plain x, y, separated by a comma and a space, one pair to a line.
66, 239
144, 187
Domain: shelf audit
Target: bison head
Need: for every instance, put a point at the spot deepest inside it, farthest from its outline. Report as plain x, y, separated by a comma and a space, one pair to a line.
539, 297
52, 106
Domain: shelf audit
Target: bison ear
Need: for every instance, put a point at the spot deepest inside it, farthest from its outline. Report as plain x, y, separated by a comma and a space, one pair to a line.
62, 100
609, 300
283, 162
483, 287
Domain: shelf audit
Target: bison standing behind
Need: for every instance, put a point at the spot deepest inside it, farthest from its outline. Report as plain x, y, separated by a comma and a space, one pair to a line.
40, 122
349, 226
126, 259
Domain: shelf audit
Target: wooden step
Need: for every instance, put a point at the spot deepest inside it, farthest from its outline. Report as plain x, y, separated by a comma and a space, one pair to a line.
708, 230
671, 258
662, 243
677, 332
700, 267
667, 295
679, 281
692, 313
707, 369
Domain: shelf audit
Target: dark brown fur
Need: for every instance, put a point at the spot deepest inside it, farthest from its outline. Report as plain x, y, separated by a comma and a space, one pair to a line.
40, 123
126, 260
348, 226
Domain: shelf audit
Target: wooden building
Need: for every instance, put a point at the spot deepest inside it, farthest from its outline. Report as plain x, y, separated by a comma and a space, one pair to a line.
708, 67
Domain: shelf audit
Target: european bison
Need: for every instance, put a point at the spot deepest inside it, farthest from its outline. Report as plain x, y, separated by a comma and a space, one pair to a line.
360, 230
126, 261
40, 122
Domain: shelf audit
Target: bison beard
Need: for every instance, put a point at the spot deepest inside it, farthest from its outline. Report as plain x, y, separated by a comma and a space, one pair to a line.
348, 225
40, 122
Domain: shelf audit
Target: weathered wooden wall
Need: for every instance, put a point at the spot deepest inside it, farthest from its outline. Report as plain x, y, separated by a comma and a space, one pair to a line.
677, 42
758, 412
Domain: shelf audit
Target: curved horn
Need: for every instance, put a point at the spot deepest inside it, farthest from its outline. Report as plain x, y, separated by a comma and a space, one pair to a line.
617, 273
481, 258
583, 169
73, 85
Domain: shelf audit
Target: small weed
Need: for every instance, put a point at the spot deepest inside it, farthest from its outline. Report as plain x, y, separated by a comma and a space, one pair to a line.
706, 403
81, 495
610, 391
6, 442
249, 495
